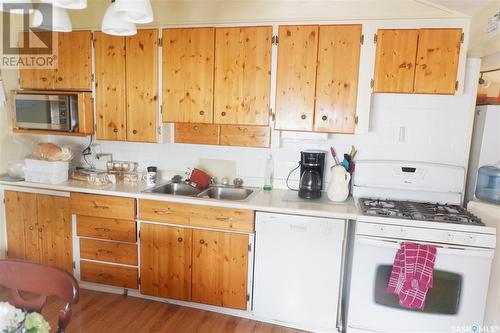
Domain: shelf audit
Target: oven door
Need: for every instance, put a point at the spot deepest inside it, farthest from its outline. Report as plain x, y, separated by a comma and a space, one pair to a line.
47, 112
457, 298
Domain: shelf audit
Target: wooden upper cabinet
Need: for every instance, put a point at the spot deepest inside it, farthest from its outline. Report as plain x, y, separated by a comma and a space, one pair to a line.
437, 61
337, 78
166, 261
220, 269
242, 75
395, 60
73, 70
110, 64
188, 75
296, 78
142, 86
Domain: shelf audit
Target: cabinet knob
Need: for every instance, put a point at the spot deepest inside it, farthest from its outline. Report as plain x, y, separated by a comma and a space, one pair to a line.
223, 113
134, 131
40, 229
202, 113
44, 79
324, 118
59, 79
202, 241
196, 128
31, 228
115, 130
303, 117
179, 239
423, 66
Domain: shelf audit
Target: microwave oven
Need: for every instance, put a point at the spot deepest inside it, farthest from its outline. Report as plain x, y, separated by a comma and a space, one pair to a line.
43, 111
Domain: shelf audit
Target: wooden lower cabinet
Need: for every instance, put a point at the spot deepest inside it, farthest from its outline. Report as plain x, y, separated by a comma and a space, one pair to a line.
220, 268
166, 261
113, 275
203, 266
39, 228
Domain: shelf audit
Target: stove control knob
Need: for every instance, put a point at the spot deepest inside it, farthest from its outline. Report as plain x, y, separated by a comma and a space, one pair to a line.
381, 229
470, 239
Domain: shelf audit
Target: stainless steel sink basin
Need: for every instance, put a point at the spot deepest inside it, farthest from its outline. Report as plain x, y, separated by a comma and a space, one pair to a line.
227, 193
175, 189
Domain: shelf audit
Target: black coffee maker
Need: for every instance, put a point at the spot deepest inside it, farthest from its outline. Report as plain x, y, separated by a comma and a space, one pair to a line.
312, 163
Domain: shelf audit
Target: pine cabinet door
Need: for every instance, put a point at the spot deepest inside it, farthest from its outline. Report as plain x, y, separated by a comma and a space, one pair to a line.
166, 261
437, 61
220, 269
54, 228
395, 60
142, 86
188, 75
20, 213
74, 67
337, 78
296, 78
242, 75
110, 67
37, 78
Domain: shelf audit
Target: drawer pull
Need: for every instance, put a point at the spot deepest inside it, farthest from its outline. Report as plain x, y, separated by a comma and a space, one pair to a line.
225, 219
104, 251
202, 241
179, 239
162, 211
105, 275
102, 229
96, 206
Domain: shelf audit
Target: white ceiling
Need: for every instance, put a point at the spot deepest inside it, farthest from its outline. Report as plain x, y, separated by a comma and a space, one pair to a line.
467, 7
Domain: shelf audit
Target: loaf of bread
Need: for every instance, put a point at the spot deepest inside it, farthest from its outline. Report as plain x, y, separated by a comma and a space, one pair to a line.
51, 152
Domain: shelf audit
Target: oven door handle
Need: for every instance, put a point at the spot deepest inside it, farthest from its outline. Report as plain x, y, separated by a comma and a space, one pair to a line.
441, 248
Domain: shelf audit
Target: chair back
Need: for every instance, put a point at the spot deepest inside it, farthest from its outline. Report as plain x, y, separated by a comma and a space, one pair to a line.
22, 276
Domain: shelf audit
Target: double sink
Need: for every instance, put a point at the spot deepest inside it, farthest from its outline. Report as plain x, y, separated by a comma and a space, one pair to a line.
213, 192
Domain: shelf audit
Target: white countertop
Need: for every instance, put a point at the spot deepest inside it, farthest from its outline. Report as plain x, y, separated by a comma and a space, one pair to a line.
276, 201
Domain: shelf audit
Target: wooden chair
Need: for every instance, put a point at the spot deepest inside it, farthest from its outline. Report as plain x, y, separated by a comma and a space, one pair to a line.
21, 276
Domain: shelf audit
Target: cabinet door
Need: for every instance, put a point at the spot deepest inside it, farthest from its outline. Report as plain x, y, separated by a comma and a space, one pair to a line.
37, 78
110, 87
220, 268
242, 75
54, 228
337, 78
74, 67
142, 86
437, 61
395, 61
296, 78
20, 212
166, 261
188, 75
203, 134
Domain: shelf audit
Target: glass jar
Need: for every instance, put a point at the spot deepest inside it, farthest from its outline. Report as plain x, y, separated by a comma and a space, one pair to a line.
488, 183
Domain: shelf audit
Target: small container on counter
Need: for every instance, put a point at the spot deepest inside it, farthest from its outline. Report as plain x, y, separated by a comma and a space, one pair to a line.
488, 183
151, 175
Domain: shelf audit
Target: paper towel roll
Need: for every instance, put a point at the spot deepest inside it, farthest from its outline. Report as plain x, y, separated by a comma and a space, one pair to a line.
3, 99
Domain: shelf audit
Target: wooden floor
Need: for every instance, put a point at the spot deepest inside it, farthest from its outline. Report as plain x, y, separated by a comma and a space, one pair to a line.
101, 312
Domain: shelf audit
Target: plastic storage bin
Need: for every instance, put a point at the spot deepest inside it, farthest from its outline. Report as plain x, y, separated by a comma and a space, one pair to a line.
488, 183
39, 171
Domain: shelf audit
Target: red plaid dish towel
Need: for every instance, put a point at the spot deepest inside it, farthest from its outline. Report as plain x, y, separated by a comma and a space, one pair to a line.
411, 275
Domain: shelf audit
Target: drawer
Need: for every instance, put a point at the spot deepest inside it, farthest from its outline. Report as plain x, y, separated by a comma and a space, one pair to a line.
112, 229
120, 253
112, 275
245, 136
103, 206
197, 216
207, 134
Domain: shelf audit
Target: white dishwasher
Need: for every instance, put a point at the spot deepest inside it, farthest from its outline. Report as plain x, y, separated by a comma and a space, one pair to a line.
298, 268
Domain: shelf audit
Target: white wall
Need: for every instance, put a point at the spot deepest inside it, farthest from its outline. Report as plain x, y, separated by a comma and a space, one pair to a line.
437, 129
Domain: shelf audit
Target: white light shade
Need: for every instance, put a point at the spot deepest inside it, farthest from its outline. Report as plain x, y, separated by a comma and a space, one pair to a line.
68, 4
113, 24
27, 2
60, 20
136, 11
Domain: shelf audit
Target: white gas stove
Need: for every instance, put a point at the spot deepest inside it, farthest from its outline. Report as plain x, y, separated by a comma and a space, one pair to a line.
418, 202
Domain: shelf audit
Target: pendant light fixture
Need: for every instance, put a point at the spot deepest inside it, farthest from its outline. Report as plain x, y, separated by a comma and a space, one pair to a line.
114, 24
68, 4
60, 19
26, 4
136, 11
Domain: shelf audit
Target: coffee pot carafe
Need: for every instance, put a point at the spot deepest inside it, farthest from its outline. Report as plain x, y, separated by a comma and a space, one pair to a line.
311, 173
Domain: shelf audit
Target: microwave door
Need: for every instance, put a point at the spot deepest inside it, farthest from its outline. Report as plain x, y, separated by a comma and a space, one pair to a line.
46, 112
